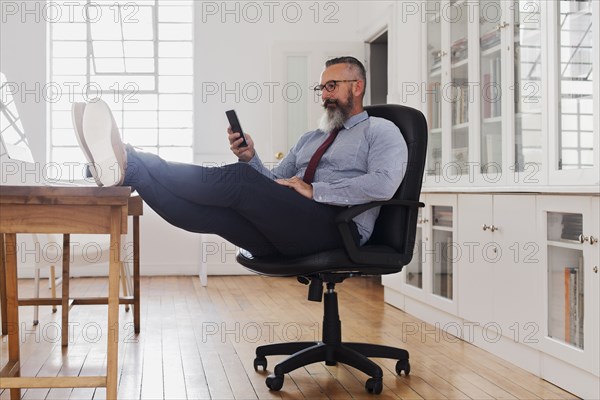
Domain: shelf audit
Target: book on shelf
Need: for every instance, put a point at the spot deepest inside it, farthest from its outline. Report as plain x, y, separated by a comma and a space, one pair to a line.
460, 109
491, 89
434, 105
573, 305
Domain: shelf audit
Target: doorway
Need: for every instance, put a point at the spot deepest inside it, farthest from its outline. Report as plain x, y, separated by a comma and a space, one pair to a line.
378, 76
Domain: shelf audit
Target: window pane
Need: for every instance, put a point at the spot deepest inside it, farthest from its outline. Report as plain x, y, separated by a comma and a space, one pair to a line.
125, 69
142, 65
175, 14
141, 137
69, 31
176, 102
176, 66
176, 137
135, 48
69, 49
175, 32
175, 50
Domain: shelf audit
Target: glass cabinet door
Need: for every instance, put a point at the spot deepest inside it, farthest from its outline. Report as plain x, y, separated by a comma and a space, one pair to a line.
565, 278
443, 268
576, 102
490, 30
434, 94
527, 44
458, 15
414, 270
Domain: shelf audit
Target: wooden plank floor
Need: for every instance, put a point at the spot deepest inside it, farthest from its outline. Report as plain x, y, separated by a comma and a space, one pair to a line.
198, 343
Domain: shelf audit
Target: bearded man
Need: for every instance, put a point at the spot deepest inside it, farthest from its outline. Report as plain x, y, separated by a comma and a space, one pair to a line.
290, 210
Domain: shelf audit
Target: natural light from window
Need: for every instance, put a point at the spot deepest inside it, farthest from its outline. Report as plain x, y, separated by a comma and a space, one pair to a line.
135, 55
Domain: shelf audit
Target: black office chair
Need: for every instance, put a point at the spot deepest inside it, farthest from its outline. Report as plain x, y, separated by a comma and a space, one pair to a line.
387, 251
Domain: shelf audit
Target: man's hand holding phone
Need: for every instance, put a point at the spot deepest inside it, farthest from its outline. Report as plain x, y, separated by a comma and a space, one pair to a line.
243, 153
241, 145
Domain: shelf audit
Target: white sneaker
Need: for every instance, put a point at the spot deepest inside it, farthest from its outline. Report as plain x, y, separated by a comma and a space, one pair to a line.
104, 145
77, 115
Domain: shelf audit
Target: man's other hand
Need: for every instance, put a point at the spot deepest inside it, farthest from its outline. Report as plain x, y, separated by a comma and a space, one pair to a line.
298, 185
243, 153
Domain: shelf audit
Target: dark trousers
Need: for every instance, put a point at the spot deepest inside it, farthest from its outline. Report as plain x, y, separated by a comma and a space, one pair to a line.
235, 202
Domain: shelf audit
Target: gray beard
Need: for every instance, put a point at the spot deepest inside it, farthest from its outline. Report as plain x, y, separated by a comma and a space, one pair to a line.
331, 120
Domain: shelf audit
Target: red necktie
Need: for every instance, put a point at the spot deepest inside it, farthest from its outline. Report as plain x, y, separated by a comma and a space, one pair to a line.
309, 174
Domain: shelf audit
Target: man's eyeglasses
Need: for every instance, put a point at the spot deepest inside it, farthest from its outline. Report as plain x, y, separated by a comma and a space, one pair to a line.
331, 85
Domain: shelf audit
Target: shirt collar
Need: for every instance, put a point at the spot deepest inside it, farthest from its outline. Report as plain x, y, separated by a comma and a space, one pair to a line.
356, 119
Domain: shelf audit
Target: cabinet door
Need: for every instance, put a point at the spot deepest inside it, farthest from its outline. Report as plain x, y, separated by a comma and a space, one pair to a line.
525, 111
459, 82
574, 108
570, 285
514, 257
435, 56
592, 289
475, 277
440, 252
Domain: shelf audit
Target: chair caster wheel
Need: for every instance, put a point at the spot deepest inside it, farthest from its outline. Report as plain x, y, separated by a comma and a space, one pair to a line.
374, 385
274, 382
260, 362
403, 365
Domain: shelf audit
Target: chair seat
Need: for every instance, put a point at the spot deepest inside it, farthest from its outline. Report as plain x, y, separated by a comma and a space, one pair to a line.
325, 261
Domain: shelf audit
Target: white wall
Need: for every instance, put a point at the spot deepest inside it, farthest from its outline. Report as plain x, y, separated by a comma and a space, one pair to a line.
231, 45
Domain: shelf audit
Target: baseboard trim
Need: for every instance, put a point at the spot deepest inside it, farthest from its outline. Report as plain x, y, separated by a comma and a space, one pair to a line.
101, 270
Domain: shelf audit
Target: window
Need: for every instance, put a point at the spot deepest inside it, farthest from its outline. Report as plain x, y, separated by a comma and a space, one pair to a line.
135, 55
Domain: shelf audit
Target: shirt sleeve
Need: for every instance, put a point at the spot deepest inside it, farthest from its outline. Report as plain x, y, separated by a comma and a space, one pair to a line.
386, 166
285, 169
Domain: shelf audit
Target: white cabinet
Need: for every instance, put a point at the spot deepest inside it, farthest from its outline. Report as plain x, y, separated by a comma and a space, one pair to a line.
569, 231
430, 277
510, 95
498, 271
520, 268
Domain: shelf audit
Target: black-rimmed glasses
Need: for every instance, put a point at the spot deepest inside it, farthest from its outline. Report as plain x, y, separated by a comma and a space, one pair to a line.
331, 85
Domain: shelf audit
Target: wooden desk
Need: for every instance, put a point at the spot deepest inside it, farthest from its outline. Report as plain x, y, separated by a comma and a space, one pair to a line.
62, 210
135, 208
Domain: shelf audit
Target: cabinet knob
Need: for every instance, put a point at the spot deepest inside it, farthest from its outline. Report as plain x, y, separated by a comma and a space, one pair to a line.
583, 238
593, 240
595, 269
494, 228
279, 155
486, 227
425, 220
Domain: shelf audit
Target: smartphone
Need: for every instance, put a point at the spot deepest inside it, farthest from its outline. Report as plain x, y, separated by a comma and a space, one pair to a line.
235, 126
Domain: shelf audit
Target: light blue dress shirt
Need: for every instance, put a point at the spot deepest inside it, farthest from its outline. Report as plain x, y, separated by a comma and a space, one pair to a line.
365, 163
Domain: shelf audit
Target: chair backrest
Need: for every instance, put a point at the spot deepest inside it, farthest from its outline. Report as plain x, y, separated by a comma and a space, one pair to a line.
396, 226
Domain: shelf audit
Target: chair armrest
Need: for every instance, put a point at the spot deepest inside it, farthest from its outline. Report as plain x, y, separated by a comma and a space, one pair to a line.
344, 218
351, 212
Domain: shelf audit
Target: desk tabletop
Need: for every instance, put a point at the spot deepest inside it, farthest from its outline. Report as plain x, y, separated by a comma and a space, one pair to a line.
67, 195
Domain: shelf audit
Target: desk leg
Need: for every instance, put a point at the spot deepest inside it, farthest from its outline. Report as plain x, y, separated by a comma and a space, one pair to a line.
65, 289
3, 285
12, 306
136, 274
112, 359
